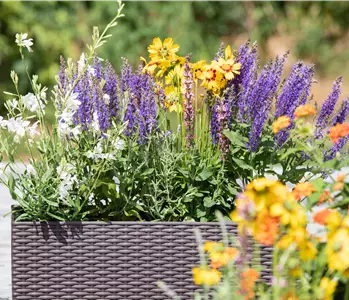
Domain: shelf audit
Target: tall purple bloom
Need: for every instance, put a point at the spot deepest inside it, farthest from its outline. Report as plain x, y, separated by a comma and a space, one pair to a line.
261, 97
101, 102
84, 91
342, 113
147, 109
188, 96
327, 108
295, 88
215, 124
126, 75
294, 93
111, 89
248, 75
97, 67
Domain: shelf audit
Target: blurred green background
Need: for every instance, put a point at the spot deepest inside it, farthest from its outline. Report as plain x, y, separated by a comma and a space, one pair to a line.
316, 32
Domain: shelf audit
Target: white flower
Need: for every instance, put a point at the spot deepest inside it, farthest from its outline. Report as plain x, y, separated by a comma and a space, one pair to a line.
22, 41
106, 99
91, 71
31, 103
81, 63
98, 153
118, 144
95, 122
13, 103
117, 184
65, 169
3, 123
30, 169
72, 102
66, 185
19, 127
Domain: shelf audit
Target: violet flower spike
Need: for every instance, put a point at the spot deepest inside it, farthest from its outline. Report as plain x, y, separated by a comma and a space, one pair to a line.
327, 108
188, 97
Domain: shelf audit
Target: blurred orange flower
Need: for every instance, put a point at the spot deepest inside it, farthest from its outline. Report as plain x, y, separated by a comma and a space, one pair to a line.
321, 216
303, 189
338, 131
304, 111
281, 123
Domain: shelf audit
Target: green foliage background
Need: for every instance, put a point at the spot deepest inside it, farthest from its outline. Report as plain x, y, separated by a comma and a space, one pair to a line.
316, 31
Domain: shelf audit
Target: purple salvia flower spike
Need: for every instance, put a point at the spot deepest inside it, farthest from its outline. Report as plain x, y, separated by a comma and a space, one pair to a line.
327, 108
111, 89
342, 113
263, 93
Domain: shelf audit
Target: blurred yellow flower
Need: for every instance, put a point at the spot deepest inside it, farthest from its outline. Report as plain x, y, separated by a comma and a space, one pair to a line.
173, 77
213, 80
198, 69
307, 251
228, 54
206, 276
281, 123
210, 246
222, 258
338, 250
227, 67
162, 50
328, 288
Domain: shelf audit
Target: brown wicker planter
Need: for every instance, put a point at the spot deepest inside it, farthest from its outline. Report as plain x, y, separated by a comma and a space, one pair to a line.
116, 260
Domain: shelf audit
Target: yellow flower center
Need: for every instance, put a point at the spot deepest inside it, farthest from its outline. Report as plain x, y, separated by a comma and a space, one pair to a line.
226, 67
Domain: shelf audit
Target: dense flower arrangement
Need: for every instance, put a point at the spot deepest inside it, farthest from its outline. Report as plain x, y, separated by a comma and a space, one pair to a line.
307, 263
170, 140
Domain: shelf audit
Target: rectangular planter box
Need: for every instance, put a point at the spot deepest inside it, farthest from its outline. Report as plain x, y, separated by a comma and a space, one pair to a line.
115, 260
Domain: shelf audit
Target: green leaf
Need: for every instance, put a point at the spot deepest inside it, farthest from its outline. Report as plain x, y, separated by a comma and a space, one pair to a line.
242, 164
55, 216
205, 174
11, 186
148, 172
235, 138
209, 202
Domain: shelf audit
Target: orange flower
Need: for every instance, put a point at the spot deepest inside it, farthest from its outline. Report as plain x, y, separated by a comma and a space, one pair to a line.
321, 216
247, 281
340, 177
326, 196
304, 111
281, 123
338, 186
266, 228
303, 189
338, 131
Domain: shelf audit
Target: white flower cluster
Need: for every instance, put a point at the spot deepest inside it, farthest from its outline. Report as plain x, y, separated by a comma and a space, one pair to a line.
66, 174
19, 128
66, 125
97, 153
22, 41
33, 104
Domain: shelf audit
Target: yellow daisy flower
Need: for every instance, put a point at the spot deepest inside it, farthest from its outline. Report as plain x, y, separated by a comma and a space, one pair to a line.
162, 50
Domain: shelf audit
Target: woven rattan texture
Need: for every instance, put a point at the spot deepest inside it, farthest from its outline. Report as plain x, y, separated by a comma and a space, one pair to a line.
117, 260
